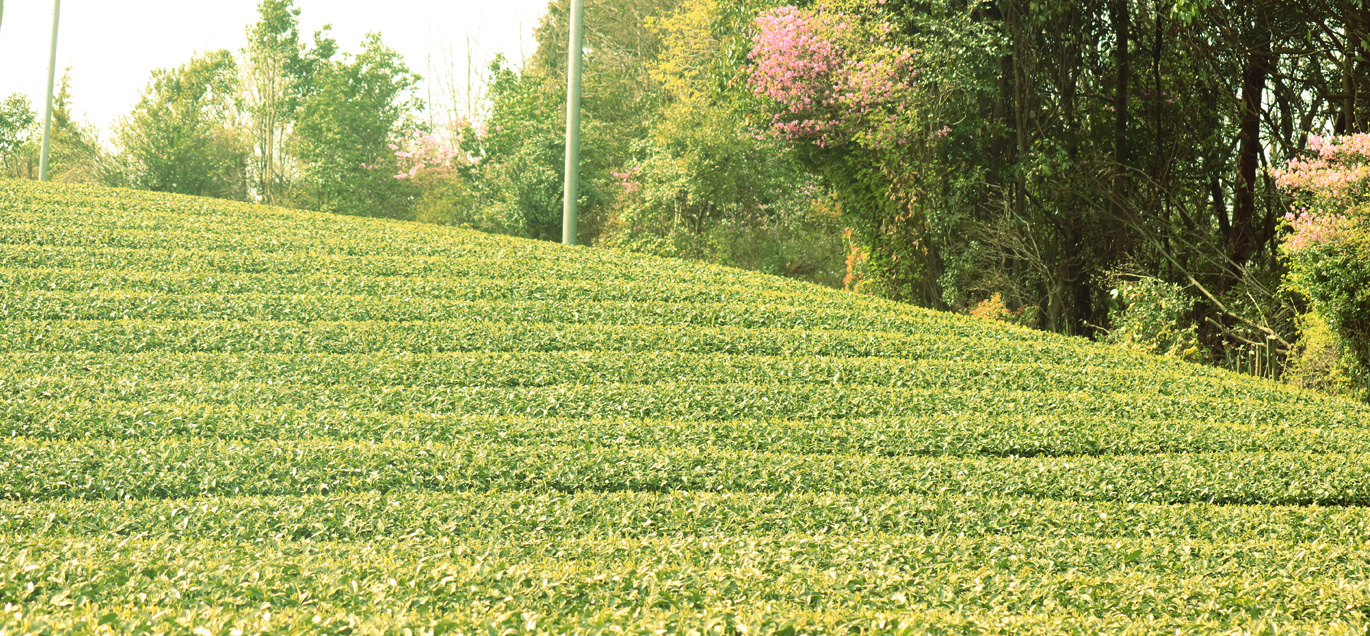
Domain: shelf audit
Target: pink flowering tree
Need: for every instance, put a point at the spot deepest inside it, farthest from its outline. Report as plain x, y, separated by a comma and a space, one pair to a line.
441, 166
836, 78
629, 179
866, 102
1329, 186
1329, 240
435, 153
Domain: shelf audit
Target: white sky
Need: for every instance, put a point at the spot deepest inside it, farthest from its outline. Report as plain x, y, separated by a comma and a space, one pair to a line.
114, 45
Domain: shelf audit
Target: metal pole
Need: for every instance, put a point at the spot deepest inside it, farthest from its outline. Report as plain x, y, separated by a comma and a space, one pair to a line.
573, 70
52, 75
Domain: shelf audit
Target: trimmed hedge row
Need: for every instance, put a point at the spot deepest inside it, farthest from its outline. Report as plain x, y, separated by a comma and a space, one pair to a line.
46, 417
116, 469
561, 577
220, 418
288, 336
485, 369
371, 517
685, 401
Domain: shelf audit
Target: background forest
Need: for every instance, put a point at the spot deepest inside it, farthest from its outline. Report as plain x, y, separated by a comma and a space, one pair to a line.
1186, 177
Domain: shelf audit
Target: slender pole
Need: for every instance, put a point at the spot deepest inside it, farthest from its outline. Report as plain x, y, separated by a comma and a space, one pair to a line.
52, 76
573, 54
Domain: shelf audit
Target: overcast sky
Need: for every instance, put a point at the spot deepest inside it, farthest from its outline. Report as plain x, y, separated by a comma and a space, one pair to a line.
114, 45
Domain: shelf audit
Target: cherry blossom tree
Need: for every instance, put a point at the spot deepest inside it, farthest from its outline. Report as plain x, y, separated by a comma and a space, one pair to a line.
1330, 185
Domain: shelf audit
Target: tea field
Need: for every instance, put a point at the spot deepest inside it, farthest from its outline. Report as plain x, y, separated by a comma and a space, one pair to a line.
225, 419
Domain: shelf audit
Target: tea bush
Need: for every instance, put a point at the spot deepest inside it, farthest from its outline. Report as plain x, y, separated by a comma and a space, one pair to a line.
219, 418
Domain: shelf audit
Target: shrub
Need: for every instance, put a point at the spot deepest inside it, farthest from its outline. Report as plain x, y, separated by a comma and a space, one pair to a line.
993, 308
1316, 362
1152, 315
1335, 275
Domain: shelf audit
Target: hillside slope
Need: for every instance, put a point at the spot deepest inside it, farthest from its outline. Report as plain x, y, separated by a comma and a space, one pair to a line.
218, 416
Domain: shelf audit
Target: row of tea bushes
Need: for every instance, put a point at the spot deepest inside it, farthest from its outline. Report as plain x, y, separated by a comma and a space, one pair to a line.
224, 419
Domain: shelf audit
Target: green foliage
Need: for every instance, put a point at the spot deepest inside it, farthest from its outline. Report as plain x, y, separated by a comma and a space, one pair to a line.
1317, 363
220, 417
448, 192
909, 201
699, 166
1152, 315
75, 155
182, 137
620, 92
522, 147
523, 155
1045, 144
273, 82
704, 183
17, 120
1335, 276
355, 110
18, 137
708, 187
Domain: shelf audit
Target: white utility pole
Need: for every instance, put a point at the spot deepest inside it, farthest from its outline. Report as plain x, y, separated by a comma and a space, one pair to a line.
52, 75
573, 63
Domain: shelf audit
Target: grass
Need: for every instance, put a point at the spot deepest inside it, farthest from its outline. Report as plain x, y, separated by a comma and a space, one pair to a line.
220, 418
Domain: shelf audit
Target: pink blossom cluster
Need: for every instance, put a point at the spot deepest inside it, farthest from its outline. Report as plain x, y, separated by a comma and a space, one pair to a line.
832, 80
1310, 229
1333, 182
1338, 172
797, 61
628, 179
433, 152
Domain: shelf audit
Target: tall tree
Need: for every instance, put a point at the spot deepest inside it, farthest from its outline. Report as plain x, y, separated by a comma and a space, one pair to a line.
16, 123
274, 76
1353, 45
76, 155
182, 135
17, 132
356, 110
521, 155
1122, 38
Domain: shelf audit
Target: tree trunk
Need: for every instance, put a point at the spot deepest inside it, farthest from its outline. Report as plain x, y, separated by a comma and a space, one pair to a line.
1158, 161
1244, 235
1121, 26
1360, 29
1019, 107
1347, 117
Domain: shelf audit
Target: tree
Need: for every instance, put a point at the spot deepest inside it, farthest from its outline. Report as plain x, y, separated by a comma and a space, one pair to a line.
75, 152
18, 125
525, 149
275, 74
704, 182
1328, 245
348, 123
182, 137
16, 122
870, 105
521, 155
